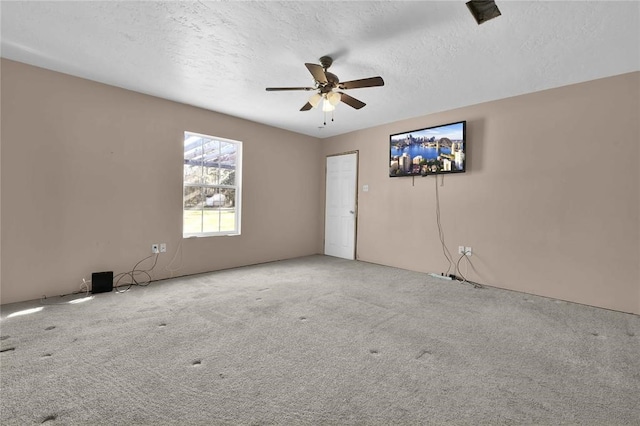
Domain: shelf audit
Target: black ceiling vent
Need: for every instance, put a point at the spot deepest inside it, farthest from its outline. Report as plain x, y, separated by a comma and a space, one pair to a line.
483, 10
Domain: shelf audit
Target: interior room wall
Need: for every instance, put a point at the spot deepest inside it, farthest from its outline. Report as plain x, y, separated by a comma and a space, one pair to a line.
92, 176
550, 202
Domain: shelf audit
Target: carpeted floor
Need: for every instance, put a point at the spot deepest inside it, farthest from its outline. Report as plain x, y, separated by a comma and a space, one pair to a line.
318, 340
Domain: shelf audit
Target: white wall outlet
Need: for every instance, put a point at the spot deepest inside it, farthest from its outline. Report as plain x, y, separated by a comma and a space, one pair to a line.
154, 248
468, 251
163, 248
365, 188
460, 249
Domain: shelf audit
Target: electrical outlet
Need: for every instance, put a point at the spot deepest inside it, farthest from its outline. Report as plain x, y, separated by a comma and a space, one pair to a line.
468, 251
163, 248
460, 249
154, 248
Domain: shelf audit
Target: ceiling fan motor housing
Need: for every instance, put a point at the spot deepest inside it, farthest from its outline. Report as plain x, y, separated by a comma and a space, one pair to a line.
332, 82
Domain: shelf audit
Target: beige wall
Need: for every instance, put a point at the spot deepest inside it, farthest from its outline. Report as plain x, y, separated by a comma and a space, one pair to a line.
92, 176
550, 203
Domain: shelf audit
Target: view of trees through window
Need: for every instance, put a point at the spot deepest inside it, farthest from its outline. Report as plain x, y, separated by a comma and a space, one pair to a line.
211, 185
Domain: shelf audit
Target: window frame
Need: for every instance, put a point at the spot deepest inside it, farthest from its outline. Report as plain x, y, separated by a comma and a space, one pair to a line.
237, 187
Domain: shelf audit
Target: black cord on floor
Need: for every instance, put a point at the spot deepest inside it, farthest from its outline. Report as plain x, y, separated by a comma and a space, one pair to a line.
132, 274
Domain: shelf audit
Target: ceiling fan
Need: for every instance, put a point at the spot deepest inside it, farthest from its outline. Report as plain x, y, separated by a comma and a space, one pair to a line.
328, 87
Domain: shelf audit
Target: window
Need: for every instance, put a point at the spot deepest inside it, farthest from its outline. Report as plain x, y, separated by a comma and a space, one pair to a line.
211, 195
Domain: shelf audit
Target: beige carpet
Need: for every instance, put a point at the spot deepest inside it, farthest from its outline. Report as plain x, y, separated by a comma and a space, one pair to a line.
318, 340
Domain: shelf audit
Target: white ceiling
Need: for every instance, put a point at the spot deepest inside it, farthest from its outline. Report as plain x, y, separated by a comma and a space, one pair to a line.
222, 55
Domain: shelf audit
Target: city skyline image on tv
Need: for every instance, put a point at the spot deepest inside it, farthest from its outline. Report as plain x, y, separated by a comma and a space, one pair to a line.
432, 150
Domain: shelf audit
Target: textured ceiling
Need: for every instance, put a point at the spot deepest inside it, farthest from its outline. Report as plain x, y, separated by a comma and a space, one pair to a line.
222, 55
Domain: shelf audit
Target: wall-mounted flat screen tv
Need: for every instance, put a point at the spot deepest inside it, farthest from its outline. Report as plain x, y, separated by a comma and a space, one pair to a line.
432, 150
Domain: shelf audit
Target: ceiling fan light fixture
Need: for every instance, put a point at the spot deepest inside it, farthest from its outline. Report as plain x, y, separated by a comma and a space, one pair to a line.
334, 98
327, 106
314, 100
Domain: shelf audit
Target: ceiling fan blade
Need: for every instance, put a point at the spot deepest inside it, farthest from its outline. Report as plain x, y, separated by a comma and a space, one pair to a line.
306, 107
317, 72
365, 82
276, 89
351, 101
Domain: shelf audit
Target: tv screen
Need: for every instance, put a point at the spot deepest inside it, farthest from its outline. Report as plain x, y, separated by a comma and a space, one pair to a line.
432, 150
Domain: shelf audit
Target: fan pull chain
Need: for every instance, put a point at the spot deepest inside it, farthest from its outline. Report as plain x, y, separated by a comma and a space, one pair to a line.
325, 117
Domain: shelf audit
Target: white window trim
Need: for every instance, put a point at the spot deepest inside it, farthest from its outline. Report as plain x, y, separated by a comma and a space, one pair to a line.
237, 187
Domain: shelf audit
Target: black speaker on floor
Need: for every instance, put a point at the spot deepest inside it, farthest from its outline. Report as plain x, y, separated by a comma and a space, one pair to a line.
101, 282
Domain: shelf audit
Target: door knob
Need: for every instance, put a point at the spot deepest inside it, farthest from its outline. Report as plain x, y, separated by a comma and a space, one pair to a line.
352, 212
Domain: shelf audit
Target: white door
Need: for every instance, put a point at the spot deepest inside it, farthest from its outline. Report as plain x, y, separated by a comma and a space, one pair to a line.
340, 210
